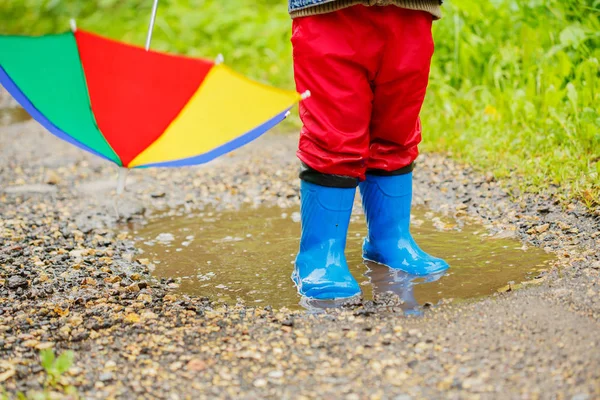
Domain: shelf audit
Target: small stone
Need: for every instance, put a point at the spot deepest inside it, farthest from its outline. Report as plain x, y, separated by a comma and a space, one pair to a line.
505, 234
16, 282
106, 376
65, 330
133, 288
44, 345
276, 374
177, 365
146, 298
112, 279
132, 318
196, 365
414, 332
542, 228
148, 315
88, 281
504, 289
52, 178
563, 226
472, 383
76, 320
136, 276
110, 364
61, 312
260, 383
31, 343
445, 384
7, 374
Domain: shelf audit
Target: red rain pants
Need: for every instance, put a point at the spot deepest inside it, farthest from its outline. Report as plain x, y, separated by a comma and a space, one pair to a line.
367, 69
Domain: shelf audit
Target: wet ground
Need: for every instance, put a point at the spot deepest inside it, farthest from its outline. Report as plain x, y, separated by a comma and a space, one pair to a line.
247, 256
70, 279
13, 115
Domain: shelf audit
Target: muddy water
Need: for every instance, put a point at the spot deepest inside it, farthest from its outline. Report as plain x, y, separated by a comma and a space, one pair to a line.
248, 255
13, 115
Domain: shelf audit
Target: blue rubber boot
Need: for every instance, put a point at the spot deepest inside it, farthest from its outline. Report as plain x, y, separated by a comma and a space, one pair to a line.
321, 271
387, 203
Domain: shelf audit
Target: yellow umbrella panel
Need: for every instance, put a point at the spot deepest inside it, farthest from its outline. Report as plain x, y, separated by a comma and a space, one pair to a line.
227, 111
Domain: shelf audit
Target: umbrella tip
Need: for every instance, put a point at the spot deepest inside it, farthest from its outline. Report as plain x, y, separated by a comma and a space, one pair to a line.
73, 24
305, 95
220, 59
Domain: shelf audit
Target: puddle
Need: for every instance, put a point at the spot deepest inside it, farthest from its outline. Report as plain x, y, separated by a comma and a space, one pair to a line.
248, 255
13, 115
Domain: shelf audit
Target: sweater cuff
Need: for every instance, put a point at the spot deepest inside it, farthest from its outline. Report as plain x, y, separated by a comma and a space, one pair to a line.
432, 7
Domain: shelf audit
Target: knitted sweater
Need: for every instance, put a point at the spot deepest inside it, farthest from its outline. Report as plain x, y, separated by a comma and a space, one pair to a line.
303, 8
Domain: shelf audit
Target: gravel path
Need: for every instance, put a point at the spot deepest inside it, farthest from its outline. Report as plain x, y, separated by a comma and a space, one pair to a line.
70, 279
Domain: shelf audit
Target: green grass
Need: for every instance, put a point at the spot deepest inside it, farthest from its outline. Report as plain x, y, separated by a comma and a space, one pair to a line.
515, 91
514, 85
55, 368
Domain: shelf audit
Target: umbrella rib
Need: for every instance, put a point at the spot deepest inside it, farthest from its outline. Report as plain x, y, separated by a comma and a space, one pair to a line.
151, 26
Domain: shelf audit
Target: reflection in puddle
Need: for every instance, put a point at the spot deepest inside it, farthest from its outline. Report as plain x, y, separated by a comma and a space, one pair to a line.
13, 115
386, 280
248, 256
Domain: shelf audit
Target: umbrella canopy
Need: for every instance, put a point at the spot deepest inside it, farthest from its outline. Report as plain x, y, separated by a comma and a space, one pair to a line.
134, 107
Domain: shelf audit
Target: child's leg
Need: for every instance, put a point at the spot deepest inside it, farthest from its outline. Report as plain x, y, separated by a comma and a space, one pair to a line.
335, 57
399, 91
331, 59
399, 88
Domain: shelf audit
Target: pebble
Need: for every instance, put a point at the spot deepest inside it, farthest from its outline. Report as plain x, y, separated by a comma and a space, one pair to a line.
259, 383
106, 377
16, 282
276, 374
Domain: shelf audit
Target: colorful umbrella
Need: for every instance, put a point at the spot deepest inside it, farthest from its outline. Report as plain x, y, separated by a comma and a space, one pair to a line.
135, 107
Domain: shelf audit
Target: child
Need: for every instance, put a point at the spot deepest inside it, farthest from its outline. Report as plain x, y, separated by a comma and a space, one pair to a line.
366, 64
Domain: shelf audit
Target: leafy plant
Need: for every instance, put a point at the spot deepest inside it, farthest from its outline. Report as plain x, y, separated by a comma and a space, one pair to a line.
515, 90
55, 367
